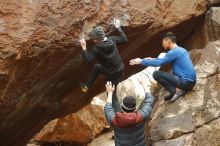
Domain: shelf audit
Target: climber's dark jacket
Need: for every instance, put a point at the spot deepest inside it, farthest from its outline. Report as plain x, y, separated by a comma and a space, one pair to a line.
107, 53
129, 128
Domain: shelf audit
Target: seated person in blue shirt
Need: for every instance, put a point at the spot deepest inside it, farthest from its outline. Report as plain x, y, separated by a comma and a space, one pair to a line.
183, 77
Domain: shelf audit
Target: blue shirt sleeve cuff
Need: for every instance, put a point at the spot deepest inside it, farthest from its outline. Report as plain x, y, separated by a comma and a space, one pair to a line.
143, 62
108, 104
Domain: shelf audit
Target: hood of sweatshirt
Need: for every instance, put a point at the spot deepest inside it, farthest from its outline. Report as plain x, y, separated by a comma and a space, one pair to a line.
127, 120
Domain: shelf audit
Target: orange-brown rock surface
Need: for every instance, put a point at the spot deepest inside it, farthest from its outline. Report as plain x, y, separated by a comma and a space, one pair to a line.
40, 61
80, 127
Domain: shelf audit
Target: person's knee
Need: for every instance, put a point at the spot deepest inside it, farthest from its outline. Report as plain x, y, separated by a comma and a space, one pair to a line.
156, 75
189, 87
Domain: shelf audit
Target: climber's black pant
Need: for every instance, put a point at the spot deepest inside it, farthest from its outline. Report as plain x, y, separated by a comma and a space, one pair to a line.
114, 78
171, 82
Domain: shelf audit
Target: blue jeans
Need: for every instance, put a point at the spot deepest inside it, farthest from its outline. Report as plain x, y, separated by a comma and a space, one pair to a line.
170, 82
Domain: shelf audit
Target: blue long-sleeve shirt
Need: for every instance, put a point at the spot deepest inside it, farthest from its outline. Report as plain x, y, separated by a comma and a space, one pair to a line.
181, 63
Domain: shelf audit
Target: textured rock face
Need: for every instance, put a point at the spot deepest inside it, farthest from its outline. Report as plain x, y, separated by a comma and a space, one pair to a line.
40, 63
80, 127
213, 23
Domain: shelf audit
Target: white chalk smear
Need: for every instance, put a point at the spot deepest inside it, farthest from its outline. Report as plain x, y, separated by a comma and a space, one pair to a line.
2, 28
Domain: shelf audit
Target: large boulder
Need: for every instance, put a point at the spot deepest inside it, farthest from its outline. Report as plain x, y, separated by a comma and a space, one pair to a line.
40, 62
80, 127
213, 23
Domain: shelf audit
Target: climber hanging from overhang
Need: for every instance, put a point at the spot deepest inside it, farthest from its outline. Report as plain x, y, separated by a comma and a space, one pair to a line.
183, 77
106, 52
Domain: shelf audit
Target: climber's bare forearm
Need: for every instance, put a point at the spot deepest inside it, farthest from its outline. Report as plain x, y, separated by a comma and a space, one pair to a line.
109, 97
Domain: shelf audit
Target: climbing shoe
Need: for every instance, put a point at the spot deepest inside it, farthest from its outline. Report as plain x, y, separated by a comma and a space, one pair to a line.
84, 88
177, 95
168, 97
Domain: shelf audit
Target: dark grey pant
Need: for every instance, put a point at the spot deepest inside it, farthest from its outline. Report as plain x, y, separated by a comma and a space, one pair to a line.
115, 78
170, 82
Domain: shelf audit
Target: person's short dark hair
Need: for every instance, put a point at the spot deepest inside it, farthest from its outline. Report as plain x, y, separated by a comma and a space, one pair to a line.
171, 36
